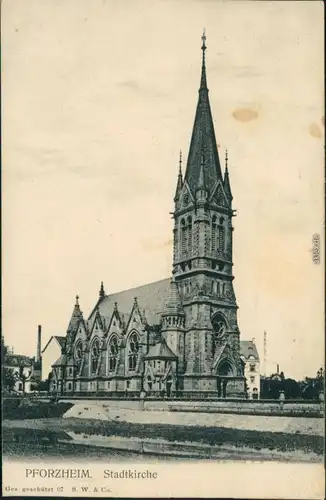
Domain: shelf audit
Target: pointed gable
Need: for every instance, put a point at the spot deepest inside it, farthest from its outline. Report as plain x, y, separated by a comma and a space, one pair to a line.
203, 149
218, 196
76, 316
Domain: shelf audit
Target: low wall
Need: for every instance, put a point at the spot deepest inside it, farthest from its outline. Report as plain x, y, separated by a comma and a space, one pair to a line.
248, 407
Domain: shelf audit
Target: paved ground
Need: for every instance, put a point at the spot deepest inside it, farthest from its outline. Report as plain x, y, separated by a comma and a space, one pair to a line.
291, 425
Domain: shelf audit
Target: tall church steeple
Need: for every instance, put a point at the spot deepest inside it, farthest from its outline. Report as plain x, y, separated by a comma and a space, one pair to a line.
203, 137
202, 262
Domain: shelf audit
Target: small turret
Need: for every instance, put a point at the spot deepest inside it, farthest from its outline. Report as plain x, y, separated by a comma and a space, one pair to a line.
102, 291
179, 181
226, 181
173, 314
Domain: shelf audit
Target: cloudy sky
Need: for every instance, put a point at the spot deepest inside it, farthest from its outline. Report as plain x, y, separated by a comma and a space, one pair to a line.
99, 97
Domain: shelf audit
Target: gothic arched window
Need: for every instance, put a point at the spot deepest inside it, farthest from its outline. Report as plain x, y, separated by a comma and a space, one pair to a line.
95, 355
189, 221
183, 236
113, 352
219, 328
133, 351
78, 355
214, 233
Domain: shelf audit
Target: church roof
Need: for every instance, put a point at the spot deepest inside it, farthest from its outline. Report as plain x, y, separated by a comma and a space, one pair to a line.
160, 350
248, 348
151, 299
203, 164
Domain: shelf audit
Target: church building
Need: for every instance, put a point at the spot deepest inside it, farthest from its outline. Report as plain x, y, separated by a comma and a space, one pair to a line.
178, 336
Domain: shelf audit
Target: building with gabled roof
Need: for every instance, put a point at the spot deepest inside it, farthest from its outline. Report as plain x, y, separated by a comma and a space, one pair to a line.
51, 351
190, 318
250, 357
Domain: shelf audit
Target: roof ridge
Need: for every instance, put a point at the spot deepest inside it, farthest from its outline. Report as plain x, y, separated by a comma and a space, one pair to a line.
136, 287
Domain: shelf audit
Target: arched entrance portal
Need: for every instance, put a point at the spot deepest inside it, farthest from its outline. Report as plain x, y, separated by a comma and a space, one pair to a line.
224, 372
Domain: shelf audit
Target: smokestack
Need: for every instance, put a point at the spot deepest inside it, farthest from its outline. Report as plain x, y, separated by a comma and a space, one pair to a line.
278, 369
265, 353
39, 335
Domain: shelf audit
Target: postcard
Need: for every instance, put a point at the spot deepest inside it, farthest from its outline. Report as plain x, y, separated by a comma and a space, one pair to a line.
163, 243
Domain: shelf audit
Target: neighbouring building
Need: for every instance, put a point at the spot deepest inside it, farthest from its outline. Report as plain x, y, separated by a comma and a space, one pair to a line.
178, 336
50, 353
26, 370
250, 357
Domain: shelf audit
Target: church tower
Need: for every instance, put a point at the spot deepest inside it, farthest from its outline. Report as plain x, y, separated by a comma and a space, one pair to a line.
202, 261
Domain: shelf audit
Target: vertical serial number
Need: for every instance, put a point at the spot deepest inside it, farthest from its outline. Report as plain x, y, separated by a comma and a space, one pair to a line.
316, 248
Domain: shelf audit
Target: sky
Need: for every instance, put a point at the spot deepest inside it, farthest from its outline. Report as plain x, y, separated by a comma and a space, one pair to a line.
99, 97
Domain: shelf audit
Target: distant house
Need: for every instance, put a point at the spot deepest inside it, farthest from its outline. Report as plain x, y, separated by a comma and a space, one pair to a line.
50, 353
250, 357
22, 367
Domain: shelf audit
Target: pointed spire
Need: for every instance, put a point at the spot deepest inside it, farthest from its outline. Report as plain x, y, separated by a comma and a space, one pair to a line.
226, 181
102, 291
180, 179
76, 316
203, 138
173, 304
203, 80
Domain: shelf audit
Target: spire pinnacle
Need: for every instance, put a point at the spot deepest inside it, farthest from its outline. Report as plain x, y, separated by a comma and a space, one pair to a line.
180, 179
77, 300
102, 291
203, 82
226, 182
173, 304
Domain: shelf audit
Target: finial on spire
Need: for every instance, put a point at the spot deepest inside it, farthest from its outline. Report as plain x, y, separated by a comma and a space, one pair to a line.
180, 161
203, 47
77, 300
203, 83
226, 159
102, 291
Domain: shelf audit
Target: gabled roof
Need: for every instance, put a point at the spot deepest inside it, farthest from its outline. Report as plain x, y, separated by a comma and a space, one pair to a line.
160, 351
59, 339
248, 348
151, 299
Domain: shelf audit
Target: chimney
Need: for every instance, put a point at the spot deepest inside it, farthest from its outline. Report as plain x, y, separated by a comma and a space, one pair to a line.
278, 369
39, 335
